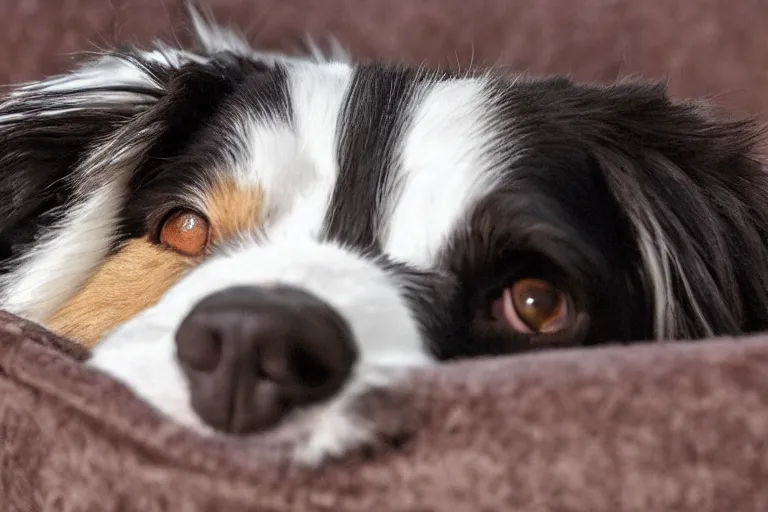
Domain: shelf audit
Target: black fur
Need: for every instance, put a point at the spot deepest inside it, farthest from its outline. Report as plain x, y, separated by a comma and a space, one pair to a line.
595, 158
38, 156
374, 114
197, 112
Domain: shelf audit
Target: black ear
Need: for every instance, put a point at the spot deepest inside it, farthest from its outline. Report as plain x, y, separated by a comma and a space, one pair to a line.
71, 149
59, 135
695, 192
48, 128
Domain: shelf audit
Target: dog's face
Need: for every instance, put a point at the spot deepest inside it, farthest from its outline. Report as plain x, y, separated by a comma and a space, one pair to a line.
277, 232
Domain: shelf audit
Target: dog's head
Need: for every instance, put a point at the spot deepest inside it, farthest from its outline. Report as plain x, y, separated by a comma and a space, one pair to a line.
311, 221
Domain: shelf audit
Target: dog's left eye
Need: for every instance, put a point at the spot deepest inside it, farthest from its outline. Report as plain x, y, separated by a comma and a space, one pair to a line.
533, 306
186, 232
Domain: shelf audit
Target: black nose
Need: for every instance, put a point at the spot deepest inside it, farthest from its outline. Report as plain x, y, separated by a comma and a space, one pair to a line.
252, 355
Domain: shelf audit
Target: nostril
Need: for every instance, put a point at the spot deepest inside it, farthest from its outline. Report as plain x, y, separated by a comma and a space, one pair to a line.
321, 357
310, 371
198, 346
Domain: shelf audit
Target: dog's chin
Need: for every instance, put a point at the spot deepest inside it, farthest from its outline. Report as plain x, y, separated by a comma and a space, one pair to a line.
141, 354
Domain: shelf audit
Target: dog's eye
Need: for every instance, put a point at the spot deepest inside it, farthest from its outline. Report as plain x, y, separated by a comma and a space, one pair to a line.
532, 305
186, 232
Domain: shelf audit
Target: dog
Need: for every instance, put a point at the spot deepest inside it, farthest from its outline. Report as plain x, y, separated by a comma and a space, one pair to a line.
252, 239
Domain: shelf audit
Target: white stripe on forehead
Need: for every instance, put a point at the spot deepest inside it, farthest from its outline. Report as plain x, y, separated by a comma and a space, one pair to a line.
445, 161
446, 166
294, 161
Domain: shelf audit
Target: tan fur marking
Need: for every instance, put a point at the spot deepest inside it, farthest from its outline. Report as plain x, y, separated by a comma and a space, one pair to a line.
129, 281
233, 209
141, 272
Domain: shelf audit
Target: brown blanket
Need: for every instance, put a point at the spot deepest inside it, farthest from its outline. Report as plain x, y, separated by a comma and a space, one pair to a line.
663, 427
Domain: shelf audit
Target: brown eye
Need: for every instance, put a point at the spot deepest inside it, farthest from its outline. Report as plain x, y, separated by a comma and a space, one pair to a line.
532, 305
186, 232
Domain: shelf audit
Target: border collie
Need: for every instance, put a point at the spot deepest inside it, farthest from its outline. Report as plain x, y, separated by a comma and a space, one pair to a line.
251, 239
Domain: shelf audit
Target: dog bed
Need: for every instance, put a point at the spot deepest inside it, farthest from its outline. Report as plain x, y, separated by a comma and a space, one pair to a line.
668, 426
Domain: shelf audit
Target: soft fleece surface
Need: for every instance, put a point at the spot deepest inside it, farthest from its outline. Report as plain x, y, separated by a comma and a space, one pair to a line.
666, 427
657, 427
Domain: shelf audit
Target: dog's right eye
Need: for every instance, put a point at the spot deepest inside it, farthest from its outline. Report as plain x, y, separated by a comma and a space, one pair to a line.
186, 232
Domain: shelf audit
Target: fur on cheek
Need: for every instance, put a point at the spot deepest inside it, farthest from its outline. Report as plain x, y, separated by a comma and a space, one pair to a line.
129, 281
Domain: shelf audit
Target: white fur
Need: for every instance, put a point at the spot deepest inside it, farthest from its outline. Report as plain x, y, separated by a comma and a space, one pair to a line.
78, 242
216, 38
296, 166
445, 167
661, 264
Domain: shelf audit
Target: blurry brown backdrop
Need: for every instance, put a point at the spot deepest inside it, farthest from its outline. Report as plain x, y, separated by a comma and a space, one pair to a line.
701, 47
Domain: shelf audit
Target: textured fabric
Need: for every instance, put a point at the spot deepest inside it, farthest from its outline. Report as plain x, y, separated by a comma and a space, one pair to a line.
667, 427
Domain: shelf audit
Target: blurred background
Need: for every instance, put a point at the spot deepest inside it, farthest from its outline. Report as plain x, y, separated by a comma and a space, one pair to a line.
699, 47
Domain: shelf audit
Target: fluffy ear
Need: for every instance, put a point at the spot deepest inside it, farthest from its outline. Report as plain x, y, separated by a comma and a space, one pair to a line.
695, 193
48, 127
69, 146
57, 132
